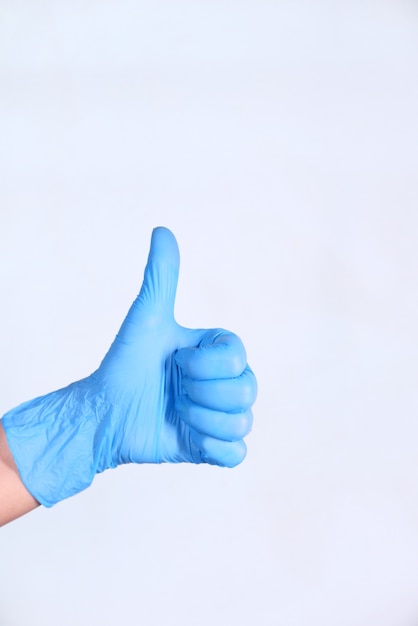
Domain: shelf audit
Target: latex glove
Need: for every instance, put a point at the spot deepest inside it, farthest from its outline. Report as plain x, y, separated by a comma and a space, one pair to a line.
162, 393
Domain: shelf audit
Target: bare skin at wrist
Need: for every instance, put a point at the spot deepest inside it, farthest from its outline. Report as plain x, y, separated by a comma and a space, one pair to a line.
15, 499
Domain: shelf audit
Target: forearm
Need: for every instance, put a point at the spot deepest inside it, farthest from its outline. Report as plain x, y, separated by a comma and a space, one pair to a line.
15, 499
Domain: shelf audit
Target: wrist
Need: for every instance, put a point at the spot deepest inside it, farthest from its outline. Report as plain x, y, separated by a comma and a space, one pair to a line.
15, 499
54, 442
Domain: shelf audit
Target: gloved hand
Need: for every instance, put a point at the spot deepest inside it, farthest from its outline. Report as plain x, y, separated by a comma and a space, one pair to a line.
162, 393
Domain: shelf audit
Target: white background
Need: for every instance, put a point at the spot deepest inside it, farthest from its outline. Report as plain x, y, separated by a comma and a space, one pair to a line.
279, 141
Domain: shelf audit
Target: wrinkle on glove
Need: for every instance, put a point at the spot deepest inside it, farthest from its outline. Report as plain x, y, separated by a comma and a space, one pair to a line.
163, 393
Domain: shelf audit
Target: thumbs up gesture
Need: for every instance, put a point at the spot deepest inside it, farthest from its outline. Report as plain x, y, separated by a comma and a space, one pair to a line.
163, 393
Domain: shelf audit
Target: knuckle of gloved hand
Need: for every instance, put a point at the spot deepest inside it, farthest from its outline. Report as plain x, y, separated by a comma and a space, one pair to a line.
236, 454
247, 391
240, 425
237, 363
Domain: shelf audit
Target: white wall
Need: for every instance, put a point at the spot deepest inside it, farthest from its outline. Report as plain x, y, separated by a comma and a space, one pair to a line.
278, 140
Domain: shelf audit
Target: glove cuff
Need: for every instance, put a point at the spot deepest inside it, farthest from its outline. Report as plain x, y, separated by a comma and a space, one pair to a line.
58, 442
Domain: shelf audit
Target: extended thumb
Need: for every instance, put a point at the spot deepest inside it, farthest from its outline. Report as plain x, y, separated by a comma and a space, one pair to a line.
161, 273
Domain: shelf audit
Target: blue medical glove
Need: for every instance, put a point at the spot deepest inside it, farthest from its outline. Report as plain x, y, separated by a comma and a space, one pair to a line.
163, 393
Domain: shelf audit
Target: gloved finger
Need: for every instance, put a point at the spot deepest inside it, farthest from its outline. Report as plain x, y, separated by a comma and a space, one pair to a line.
220, 354
162, 271
158, 292
226, 426
218, 452
228, 395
